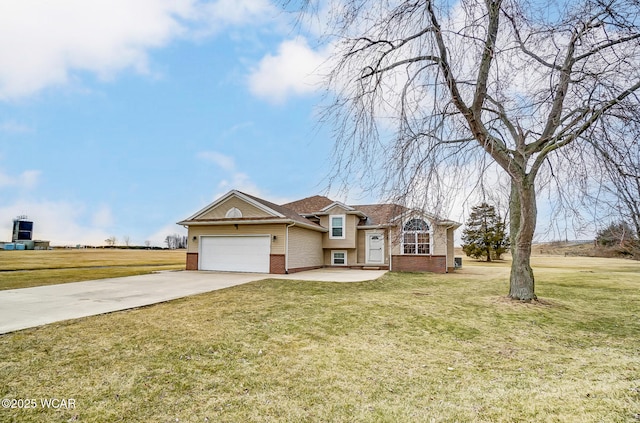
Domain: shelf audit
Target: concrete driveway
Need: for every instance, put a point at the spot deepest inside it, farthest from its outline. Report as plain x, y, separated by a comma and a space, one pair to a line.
31, 307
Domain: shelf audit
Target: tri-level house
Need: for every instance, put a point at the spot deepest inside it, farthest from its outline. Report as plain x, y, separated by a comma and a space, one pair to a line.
242, 233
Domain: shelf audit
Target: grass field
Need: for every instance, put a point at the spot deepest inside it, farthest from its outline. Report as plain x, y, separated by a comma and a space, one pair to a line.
404, 348
22, 269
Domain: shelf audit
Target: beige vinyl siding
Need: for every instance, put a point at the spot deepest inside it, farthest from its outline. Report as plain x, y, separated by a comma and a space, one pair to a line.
336, 210
351, 256
362, 244
439, 243
221, 209
450, 250
350, 230
396, 240
362, 248
277, 246
305, 248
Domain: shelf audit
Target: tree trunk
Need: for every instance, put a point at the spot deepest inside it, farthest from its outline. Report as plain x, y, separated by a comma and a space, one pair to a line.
523, 215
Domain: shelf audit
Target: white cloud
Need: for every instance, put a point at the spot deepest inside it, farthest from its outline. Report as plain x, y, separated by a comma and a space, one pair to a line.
294, 70
26, 180
235, 178
236, 128
103, 217
29, 178
55, 221
239, 12
12, 126
45, 44
240, 181
219, 159
42, 42
158, 237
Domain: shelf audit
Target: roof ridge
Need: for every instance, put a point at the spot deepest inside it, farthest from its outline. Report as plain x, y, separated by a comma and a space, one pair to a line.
376, 204
308, 198
311, 204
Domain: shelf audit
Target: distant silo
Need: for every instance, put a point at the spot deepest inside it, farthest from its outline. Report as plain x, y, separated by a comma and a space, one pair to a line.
22, 229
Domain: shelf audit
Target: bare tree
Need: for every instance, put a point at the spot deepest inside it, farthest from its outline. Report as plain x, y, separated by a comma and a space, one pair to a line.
127, 240
619, 176
111, 241
176, 241
429, 95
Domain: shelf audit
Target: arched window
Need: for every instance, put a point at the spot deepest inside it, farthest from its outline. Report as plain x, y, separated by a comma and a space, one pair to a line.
233, 213
415, 237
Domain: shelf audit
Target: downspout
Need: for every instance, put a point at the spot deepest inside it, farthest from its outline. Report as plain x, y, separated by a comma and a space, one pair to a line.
286, 248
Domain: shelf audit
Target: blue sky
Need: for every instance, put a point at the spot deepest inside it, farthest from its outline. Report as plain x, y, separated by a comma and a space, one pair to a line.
120, 118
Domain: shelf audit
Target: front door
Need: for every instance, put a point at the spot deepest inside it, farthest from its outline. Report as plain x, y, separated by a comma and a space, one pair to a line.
375, 248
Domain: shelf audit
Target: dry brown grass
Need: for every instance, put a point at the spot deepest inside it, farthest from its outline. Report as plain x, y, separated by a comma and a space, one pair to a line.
407, 347
73, 258
22, 269
563, 249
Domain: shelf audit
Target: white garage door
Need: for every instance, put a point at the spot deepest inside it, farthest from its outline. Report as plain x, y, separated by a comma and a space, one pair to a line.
235, 253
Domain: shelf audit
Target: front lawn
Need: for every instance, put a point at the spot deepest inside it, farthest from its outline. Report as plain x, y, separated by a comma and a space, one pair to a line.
24, 269
404, 348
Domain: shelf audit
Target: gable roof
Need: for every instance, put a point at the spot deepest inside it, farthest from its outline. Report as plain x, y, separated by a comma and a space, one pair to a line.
338, 204
251, 200
372, 214
285, 211
278, 213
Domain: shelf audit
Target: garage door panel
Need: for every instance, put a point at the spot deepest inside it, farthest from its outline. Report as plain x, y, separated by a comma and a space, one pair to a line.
235, 253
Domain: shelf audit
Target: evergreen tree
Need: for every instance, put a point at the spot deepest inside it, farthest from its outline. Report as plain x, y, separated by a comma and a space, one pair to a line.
484, 234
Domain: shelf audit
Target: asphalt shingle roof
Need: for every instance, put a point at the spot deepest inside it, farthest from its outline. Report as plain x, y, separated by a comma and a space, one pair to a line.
286, 211
378, 214
309, 205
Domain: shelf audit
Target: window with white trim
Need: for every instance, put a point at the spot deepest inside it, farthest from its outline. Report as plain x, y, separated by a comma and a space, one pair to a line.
336, 226
233, 212
416, 237
338, 258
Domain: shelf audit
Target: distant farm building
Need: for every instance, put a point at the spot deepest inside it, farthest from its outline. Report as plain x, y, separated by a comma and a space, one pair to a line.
22, 237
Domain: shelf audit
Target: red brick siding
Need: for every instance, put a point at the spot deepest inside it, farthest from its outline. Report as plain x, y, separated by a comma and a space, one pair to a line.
192, 261
415, 263
277, 264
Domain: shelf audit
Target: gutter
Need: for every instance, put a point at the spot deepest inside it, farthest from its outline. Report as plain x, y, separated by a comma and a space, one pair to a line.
251, 222
390, 248
374, 226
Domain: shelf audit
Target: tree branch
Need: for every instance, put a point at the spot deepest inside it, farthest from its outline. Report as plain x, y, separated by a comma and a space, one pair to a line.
493, 7
595, 116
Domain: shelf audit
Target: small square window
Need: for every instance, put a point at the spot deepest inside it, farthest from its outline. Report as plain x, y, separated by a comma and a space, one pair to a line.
338, 258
